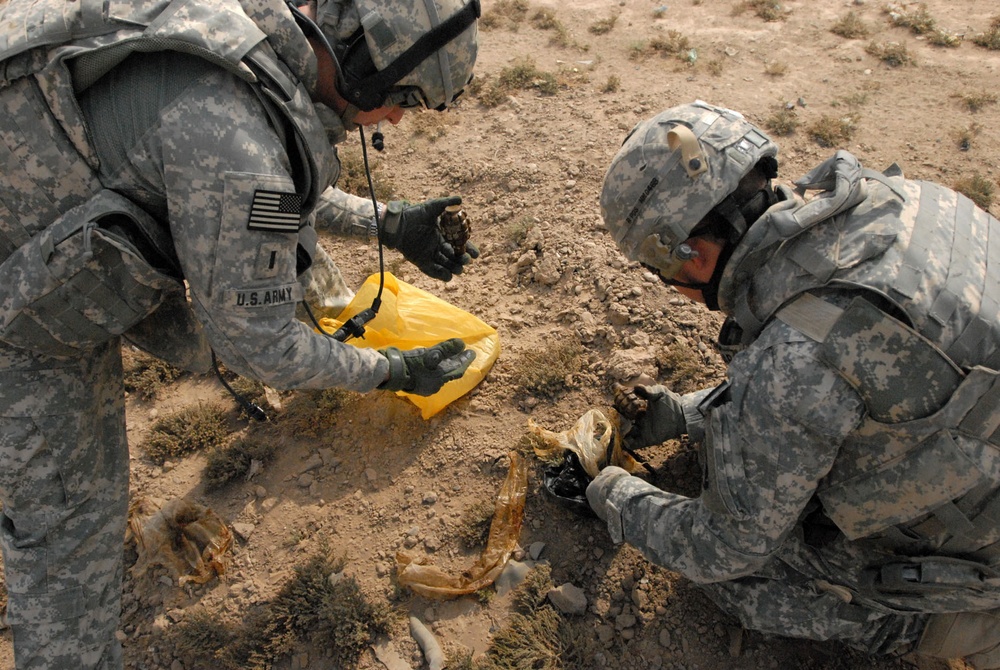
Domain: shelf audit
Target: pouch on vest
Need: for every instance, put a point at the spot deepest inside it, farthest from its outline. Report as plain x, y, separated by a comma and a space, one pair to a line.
83, 280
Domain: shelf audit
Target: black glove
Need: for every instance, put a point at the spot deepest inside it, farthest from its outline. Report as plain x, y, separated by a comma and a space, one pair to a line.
424, 371
656, 414
413, 231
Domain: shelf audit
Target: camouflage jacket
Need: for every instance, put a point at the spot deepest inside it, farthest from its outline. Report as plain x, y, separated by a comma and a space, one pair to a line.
853, 441
235, 131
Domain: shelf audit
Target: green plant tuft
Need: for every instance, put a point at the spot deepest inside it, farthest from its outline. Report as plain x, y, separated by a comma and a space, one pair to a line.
228, 463
195, 428
978, 189
831, 131
543, 372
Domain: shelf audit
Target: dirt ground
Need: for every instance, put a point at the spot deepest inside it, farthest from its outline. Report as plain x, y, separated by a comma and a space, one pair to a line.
529, 165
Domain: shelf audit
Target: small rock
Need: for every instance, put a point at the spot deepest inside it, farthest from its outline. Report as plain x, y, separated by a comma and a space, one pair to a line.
313, 462
371, 474
243, 530
430, 498
568, 599
512, 576
623, 621
268, 504
605, 633
535, 550
305, 480
665, 638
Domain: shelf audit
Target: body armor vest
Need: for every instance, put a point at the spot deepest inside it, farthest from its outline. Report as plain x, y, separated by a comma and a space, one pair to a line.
49, 52
915, 330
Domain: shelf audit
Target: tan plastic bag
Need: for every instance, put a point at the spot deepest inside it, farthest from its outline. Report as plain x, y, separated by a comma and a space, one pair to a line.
588, 439
432, 582
188, 539
410, 318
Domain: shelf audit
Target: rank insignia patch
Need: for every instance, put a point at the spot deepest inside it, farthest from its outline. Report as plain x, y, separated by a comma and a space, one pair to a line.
275, 211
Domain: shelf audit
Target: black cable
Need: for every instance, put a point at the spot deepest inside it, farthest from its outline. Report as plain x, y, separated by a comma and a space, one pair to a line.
253, 410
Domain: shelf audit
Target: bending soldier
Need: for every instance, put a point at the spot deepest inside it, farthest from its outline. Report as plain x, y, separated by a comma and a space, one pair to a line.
162, 165
851, 480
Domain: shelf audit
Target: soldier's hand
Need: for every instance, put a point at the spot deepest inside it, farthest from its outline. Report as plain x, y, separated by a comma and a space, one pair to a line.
412, 229
424, 371
655, 411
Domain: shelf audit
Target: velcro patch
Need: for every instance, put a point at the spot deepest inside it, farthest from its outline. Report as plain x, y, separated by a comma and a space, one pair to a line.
275, 211
264, 297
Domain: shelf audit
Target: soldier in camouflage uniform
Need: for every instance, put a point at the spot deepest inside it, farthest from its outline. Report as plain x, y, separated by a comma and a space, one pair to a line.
162, 162
851, 460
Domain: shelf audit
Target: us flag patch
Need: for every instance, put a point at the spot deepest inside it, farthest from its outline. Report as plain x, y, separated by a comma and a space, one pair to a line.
273, 210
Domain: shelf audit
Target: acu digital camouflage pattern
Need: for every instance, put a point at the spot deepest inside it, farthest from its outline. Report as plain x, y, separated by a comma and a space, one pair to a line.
392, 27
791, 446
64, 483
64, 473
648, 201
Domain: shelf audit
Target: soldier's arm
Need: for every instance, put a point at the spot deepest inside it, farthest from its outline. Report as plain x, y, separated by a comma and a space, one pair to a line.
344, 214
214, 151
765, 457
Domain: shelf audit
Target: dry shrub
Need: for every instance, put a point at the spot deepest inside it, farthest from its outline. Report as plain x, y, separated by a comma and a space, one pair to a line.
603, 26
543, 372
545, 19
769, 10
521, 75
527, 641
991, 38
613, 84
975, 102
783, 121
673, 43
532, 592
310, 606
682, 368
146, 375
892, 54
229, 463
850, 26
832, 131
432, 126
313, 413
943, 38
505, 14
775, 69
192, 429
919, 20
978, 189
964, 136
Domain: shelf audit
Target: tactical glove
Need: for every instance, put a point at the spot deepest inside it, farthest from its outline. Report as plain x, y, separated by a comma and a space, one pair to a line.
656, 414
413, 231
424, 371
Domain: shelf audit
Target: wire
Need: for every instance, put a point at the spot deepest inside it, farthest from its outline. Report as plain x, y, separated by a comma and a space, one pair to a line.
253, 410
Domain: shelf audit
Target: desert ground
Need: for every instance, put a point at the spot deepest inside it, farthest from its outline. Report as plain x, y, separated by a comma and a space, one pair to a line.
354, 478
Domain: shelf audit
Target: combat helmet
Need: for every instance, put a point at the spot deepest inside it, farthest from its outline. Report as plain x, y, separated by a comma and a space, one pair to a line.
406, 52
672, 171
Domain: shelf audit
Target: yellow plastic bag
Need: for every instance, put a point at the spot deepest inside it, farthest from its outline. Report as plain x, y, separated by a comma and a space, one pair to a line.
410, 318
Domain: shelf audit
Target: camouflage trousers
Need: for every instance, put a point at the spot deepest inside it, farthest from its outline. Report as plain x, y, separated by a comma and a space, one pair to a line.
64, 489
781, 601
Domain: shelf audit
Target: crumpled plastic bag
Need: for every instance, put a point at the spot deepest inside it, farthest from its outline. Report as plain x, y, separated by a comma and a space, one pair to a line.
188, 539
589, 439
432, 582
410, 318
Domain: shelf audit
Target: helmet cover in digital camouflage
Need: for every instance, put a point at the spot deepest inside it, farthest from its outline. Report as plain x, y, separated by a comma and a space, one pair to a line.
391, 27
670, 172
